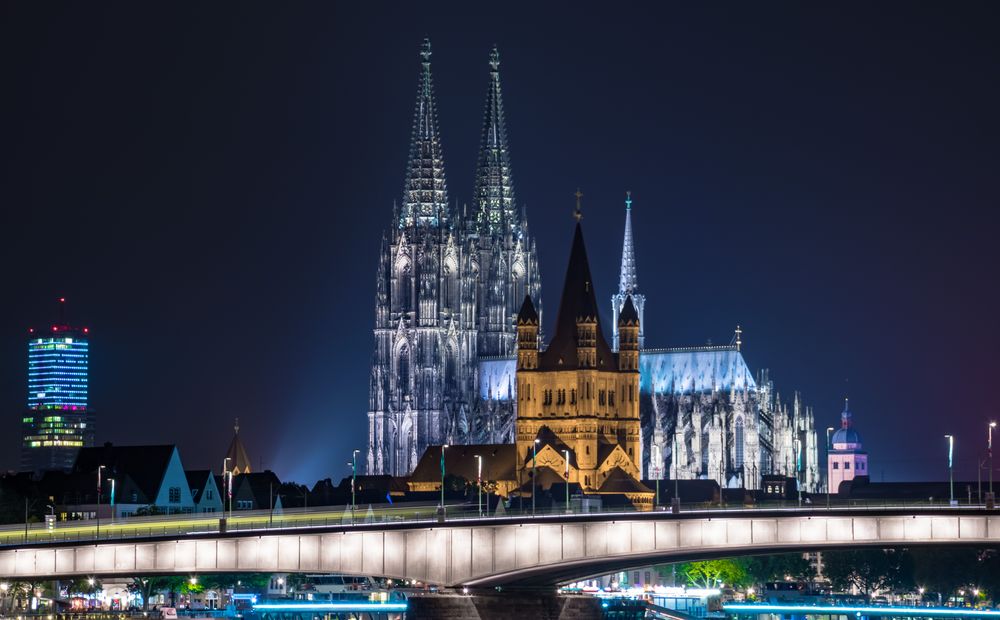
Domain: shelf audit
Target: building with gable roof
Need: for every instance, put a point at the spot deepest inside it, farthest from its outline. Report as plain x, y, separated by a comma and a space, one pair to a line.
147, 480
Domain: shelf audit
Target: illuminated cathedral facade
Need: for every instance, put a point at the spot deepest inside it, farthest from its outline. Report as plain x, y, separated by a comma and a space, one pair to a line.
449, 285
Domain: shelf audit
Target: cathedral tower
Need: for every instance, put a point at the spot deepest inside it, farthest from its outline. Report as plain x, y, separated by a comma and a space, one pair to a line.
423, 368
504, 255
628, 283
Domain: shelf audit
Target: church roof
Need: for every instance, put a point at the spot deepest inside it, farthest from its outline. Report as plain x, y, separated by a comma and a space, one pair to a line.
618, 481
239, 462
578, 301
499, 461
527, 315
693, 370
628, 314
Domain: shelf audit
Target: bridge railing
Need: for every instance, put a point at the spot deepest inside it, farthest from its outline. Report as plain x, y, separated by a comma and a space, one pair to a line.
323, 517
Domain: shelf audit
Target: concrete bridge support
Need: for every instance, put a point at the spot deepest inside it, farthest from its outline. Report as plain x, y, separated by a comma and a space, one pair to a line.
506, 605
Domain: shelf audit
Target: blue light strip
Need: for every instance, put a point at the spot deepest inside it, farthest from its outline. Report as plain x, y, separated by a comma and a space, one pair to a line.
360, 606
930, 612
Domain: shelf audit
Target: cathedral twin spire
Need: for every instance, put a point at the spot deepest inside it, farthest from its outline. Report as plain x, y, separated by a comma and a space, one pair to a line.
425, 194
494, 191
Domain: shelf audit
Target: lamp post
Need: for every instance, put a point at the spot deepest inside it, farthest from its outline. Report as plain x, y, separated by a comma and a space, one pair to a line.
675, 503
989, 447
227, 477
112, 481
354, 478
98, 511
479, 482
566, 456
829, 446
443, 448
655, 456
534, 456
951, 480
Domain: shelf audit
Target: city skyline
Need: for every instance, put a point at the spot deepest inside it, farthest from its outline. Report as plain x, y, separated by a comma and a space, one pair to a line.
228, 267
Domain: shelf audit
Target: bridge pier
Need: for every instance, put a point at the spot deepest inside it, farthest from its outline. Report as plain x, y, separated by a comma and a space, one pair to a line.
506, 605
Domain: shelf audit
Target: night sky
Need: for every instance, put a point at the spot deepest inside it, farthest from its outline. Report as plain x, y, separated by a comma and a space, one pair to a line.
207, 184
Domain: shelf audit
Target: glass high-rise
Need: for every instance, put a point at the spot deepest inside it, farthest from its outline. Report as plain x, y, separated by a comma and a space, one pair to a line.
58, 420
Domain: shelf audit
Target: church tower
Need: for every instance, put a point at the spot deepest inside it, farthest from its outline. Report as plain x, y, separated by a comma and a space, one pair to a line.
578, 402
503, 253
423, 367
628, 283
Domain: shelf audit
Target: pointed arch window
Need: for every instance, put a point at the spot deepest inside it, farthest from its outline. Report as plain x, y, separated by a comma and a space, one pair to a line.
403, 371
740, 434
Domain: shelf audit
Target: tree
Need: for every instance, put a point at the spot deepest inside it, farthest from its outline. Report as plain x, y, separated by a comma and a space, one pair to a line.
868, 570
713, 573
945, 570
83, 587
778, 567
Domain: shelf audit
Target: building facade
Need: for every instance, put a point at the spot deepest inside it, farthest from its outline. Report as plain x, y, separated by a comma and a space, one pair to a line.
578, 402
58, 420
448, 287
447, 290
846, 459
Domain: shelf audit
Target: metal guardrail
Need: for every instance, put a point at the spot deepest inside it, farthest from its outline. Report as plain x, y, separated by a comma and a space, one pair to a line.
298, 519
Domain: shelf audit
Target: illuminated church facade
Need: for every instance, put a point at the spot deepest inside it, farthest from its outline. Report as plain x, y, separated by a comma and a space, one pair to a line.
449, 286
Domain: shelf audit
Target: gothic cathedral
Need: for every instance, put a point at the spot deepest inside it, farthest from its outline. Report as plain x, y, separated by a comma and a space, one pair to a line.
449, 284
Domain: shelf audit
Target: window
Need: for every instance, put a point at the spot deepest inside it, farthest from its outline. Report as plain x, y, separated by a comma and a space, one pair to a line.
648, 580
572, 396
175, 495
861, 465
601, 398
588, 449
210, 494
135, 497
740, 431
847, 465
836, 465
611, 398
635, 578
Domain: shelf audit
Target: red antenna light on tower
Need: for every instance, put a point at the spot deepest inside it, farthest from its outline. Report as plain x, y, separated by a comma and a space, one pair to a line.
62, 300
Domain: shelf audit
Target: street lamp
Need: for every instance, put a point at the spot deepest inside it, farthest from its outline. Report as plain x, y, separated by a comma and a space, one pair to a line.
112, 481
566, 456
227, 476
98, 511
479, 481
951, 479
989, 447
443, 448
534, 456
354, 476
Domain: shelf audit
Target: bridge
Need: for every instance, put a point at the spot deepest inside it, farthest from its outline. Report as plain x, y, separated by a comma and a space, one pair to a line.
502, 551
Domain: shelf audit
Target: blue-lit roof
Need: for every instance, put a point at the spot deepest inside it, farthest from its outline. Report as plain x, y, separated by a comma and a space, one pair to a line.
687, 370
690, 370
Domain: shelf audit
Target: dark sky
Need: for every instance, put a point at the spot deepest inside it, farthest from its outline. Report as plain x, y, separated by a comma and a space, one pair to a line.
208, 182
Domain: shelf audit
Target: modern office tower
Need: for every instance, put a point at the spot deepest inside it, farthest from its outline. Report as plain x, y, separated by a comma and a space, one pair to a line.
58, 420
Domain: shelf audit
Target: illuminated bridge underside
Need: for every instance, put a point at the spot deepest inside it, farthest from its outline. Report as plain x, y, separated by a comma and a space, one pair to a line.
547, 551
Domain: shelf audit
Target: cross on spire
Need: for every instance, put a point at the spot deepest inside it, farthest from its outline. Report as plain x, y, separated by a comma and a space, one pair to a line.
739, 341
578, 214
628, 200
